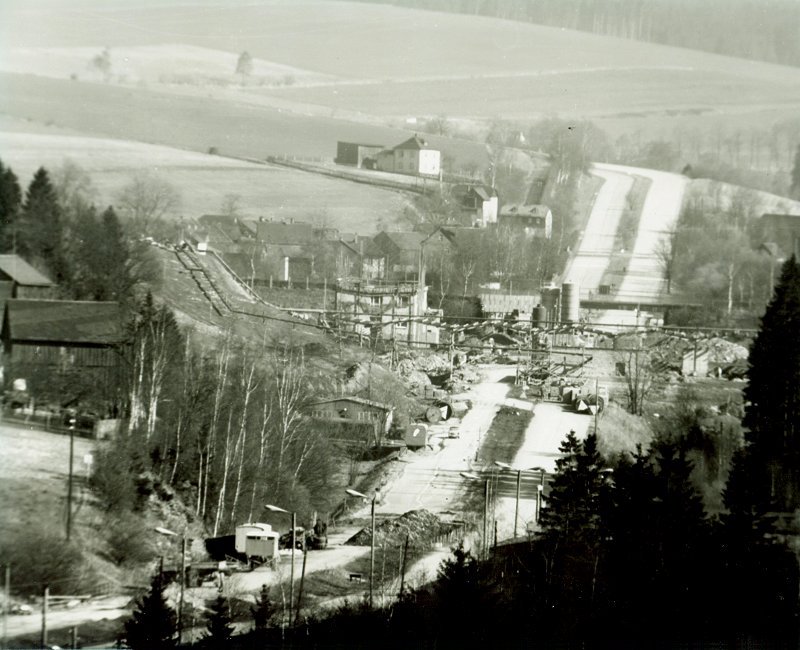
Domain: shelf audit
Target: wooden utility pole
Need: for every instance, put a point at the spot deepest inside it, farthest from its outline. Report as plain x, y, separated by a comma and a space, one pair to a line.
7, 605
69, 481
302, 580
403, 566
45, 597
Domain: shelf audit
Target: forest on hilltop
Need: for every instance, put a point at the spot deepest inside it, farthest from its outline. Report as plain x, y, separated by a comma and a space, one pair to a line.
764, 30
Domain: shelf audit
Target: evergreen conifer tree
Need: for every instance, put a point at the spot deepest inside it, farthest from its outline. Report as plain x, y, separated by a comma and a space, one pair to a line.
219, 624
263, 610
773, 396
153, 624
10, 201
39, 236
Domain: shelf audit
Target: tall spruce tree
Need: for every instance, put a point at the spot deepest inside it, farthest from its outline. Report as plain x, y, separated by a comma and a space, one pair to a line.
10, 202
772, 394
40, 235
219, 624
574, 532
153, 624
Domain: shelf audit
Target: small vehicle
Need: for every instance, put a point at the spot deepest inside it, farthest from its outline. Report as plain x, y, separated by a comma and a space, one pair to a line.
22, 610
453, 432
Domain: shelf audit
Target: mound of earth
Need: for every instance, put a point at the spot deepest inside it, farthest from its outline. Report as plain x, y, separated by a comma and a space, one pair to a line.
420, 526
723, 352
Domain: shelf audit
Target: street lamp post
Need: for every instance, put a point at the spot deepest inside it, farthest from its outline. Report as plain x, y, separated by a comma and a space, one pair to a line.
169, 533
355, 493
272, 508
475, 477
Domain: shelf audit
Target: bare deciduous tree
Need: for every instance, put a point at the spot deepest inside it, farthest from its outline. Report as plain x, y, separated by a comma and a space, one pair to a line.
666, 253
148, 198
639, 378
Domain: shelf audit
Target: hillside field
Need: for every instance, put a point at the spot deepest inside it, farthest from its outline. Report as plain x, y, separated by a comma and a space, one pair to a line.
326, 70
204, 180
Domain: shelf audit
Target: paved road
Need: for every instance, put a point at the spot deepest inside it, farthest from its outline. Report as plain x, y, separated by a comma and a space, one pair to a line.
596, 247
660, 212
643, 278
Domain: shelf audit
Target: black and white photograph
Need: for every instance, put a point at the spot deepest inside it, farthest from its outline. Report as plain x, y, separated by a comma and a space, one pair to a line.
400, 324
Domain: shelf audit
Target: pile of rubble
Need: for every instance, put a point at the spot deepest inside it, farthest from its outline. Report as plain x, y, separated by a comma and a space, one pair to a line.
722, 352
420, 526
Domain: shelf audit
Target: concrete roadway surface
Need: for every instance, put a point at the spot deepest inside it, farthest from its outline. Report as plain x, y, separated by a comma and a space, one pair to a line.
597, 244
643, 277
660, 213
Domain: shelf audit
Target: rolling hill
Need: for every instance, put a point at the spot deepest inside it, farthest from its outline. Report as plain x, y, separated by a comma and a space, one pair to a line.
365, 63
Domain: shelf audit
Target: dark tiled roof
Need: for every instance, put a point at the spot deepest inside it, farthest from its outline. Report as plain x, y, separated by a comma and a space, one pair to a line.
278, 232
406, 241
63, 321
414, 142
513, 209
23, 273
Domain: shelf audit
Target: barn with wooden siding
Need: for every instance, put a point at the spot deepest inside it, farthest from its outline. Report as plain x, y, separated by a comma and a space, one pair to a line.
358, 418
45, 339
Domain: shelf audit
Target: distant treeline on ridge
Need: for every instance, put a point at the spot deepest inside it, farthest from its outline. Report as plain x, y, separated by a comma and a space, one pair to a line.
765, 30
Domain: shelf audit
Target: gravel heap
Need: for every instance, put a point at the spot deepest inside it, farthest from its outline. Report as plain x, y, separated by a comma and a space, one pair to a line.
723, 352
420, 526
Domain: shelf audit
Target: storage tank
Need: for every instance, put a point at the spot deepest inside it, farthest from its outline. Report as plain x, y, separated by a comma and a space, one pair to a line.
550, 299
570, 303
539, 316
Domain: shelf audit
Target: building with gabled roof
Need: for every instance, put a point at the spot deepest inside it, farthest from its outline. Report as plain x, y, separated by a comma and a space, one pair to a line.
369, 420
477, 204
76, 339
534, 220
18, 279
412, 156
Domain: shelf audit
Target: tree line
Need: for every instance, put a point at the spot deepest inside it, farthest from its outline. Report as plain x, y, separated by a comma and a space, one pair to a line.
720, 26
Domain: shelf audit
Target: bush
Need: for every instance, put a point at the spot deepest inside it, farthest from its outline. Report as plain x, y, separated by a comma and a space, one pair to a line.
39, 557
129, 541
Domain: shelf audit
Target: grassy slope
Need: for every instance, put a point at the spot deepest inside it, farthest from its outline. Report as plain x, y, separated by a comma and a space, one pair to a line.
390, 62
204, 180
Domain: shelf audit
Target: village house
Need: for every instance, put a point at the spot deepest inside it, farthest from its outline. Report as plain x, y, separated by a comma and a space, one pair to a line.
533, 220
413, 156
477, 204
401, 255
219, 233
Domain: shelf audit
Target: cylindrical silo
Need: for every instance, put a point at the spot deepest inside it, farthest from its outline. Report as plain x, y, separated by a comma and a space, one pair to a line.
550, 296
539, 316
570, 303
